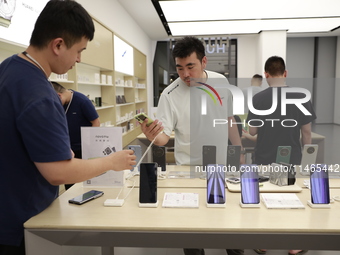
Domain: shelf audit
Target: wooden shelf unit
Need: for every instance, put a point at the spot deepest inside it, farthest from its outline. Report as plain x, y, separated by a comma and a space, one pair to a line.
86, 77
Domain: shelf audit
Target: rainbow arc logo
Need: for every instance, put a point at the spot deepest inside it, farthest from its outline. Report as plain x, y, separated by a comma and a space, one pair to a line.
211, 92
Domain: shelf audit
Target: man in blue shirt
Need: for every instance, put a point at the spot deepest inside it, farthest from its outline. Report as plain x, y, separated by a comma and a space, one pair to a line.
80, 112
35, 153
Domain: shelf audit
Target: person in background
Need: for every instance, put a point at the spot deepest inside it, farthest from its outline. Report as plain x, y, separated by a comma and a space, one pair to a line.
35, 147
239, 127
256, 87
80, 112
179, 109
269, 135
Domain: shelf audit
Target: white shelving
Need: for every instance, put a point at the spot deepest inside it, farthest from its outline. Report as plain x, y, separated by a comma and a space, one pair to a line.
95, 77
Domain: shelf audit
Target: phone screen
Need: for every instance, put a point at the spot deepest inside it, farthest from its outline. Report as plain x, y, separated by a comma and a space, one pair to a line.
319, 184
148, 183
249, 184
81, 199
215, 184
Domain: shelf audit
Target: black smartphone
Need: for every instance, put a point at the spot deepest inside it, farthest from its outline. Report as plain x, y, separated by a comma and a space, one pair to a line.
159, 156
208, 156
319, 184
138, 153
215, 184
148, 183
81, 199
249, 177
141, 117
233, 158
283, 154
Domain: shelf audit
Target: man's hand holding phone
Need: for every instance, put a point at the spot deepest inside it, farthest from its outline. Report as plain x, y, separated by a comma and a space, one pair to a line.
151, 128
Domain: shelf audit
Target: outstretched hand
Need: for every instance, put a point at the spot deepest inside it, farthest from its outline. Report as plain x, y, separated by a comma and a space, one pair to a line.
123, 160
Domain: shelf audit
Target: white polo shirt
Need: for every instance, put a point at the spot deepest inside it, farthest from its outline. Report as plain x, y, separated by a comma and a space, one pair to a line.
181, 109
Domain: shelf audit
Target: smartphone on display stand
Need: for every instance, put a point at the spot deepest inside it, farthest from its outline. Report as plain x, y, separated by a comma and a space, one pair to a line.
82, 199
137, 149
233, 160
234, 180
148, 185
319, 184
250, 193
142, 116
159, 156
309, 153
215, 185
283, 154
208, 157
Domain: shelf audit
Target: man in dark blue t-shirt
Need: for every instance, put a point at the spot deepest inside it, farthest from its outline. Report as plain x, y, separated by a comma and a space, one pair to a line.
35, 152
80, 112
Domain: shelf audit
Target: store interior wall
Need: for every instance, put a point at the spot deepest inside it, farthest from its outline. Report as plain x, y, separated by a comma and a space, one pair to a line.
324, 85
299, 54
299, 57
114, 16
337, 86
302, 64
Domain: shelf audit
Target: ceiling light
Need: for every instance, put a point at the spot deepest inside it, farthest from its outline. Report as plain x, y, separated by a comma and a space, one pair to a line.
253, 26
221, 17
200, 10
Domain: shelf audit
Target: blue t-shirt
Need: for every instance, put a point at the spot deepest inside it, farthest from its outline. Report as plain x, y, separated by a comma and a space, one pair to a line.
79, 114
33, 128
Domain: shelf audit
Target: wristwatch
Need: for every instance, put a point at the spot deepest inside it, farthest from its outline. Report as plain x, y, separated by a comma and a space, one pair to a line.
243, 151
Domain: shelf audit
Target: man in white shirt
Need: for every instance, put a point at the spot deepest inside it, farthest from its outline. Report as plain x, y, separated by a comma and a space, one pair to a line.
190, 107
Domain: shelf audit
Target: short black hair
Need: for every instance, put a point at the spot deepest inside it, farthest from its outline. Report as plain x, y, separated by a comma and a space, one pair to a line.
275, 66
66, 19
185, 46
58, 87
258, 76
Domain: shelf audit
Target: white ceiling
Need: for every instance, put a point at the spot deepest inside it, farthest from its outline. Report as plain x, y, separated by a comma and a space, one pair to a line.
250, 11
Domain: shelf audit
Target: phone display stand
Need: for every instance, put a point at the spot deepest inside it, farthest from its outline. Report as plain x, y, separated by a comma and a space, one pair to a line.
216, 205
149, 205
318, 206
250, 205
161, 174
114, 202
